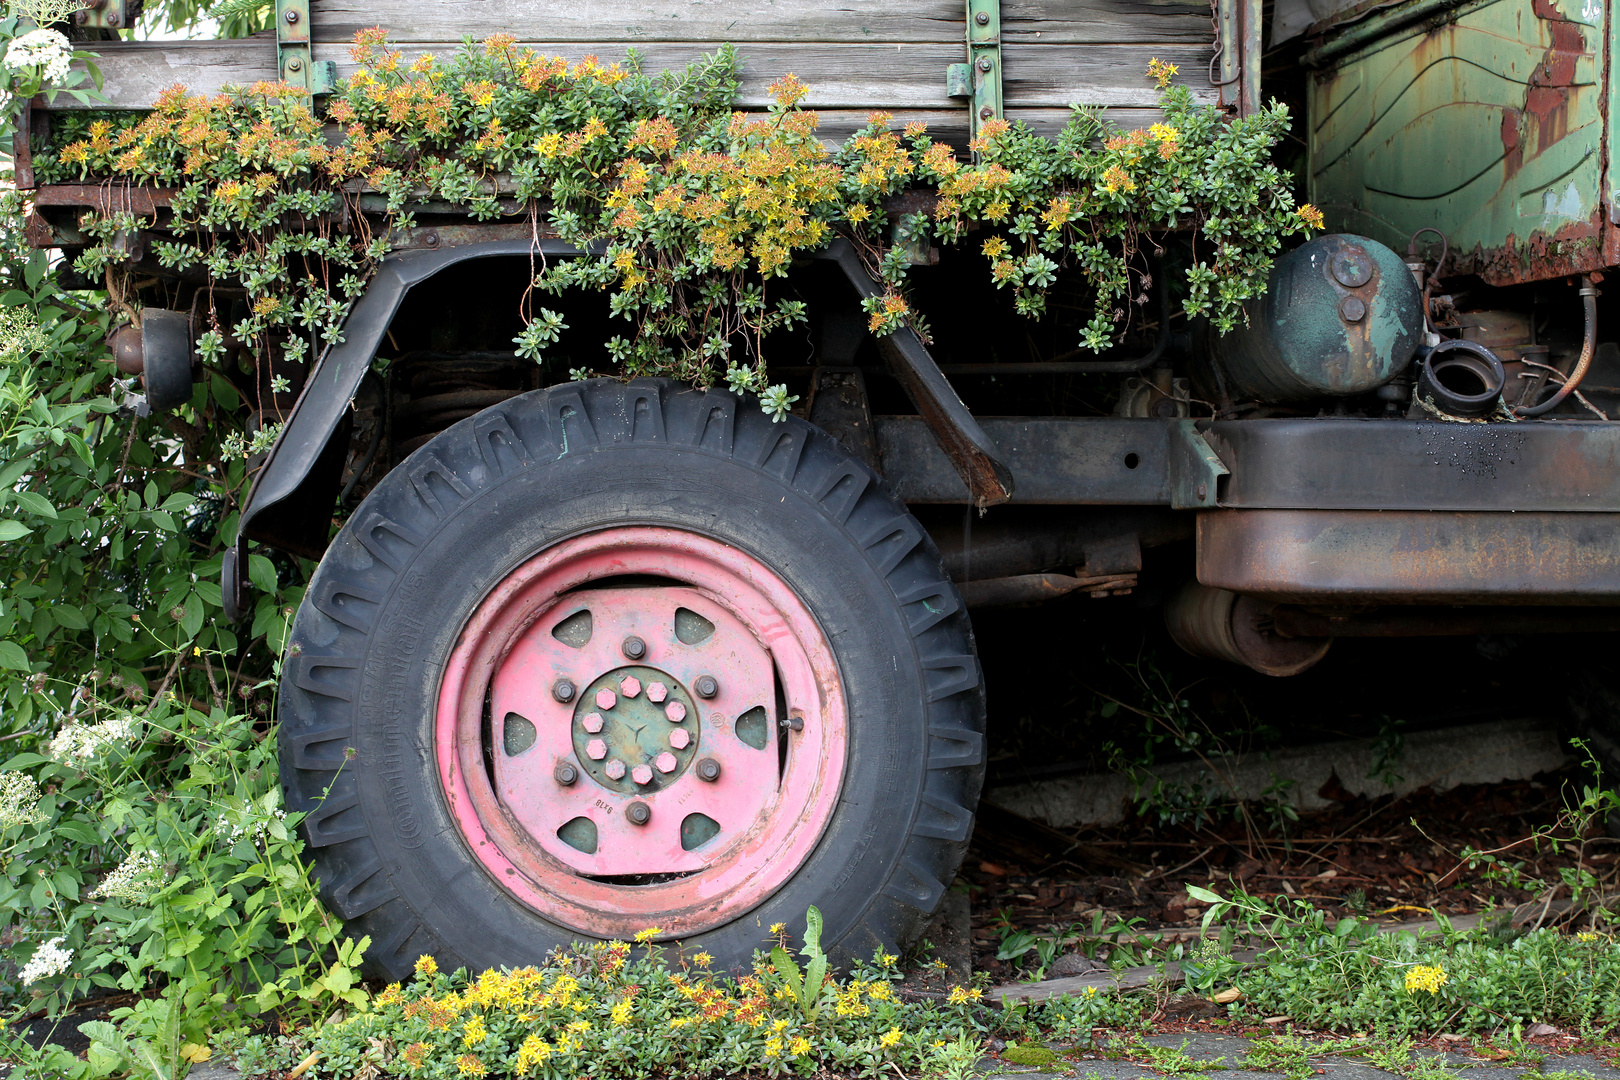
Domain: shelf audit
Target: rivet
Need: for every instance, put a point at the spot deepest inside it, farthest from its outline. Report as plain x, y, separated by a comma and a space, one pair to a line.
634, 647
563, 690
706, 686
638, 813
986, 113
113, 18
1203, 492
708, 769
615, 769
642, 774
565, 773
1353, 309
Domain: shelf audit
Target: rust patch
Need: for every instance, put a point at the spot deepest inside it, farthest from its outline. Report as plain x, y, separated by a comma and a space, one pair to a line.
1548, 98
1512, 151
1577, 248
105, 198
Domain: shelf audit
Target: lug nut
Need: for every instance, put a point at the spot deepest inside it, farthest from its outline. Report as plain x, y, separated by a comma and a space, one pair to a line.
638, 813
634, 647
563, 690
565, 773
606, 699
642, 774
1353, 309
675, 711
657, 692
665, 762
679, 739
615, 769
708, 769
596, 749
630, 687
593, 722
706, 686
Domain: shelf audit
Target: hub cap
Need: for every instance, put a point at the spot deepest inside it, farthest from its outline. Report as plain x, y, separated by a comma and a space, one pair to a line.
694, 766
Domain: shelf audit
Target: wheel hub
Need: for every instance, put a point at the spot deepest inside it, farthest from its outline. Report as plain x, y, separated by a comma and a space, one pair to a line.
636, 730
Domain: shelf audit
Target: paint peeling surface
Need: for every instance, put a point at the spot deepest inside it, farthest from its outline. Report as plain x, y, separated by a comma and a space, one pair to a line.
1483, 120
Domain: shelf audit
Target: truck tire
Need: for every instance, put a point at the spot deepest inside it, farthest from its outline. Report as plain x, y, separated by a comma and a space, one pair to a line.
608, 657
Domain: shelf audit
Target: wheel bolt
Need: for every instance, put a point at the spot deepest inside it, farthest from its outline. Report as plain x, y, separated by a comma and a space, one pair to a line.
593, 722
606, 699
638, 813
565, 773
675, 711
634, 647
563, 690
630, 687
708, 769
596, 749
706, 686
642, 774
679, 739
657, 692
615, 769
666, 762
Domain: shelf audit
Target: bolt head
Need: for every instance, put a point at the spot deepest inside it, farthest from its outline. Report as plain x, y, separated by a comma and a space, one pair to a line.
982, 18
596, 749
113, 18
1354, 309
706, 686
630, 687
665, 762
1351, 267
657, 692
675, 711
984, 63
295, 64
680, 739
1203, 492
642, 774
593, 722
638, 813
565, 773
291, 16
614, 769
986, 113
564, 690
606, 699
708, 769
634, 647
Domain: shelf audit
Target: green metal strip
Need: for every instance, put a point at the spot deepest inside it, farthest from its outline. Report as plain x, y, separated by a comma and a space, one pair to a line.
984, 60
107, 14
294, 58
1195, 468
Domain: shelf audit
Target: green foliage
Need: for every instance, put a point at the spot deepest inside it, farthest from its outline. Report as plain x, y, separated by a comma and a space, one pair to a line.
694, 209
1286, 1054
806, 987
1028, 1055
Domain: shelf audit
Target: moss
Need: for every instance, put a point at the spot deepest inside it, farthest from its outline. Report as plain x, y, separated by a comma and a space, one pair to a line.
1028, 1055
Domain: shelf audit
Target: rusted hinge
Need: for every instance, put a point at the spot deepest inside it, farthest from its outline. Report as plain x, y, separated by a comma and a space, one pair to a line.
107, 14
295, 61
979, 80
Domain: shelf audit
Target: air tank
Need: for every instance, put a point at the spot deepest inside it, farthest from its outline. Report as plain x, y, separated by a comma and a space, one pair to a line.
1341, 316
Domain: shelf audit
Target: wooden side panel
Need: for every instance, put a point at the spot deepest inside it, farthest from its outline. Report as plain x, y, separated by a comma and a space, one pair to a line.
902, 78
1047, 22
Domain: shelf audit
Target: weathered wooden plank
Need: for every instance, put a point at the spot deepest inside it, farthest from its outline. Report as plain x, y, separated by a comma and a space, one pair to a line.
951, 126
591, 21
898, 78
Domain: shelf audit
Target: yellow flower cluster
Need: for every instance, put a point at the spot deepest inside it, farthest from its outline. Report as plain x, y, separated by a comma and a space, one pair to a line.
1425, 977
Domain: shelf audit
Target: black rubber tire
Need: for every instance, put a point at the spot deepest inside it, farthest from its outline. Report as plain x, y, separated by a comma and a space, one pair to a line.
389, 599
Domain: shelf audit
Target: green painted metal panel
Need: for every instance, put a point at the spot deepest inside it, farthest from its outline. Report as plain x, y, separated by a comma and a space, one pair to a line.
1484, 119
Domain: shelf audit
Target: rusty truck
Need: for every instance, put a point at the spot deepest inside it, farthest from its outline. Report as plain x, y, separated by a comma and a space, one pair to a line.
593, 658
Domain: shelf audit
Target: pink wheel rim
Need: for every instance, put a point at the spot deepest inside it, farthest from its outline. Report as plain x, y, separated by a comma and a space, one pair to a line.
694, 766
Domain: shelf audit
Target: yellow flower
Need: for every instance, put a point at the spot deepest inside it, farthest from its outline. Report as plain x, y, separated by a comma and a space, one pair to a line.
1160, 72
1578, 937
1164, 132
998, 210
579, 1027
469, 1065
778, 928
473, 1033
857, 213
644, 936
961, 994
533, 1051
622, 1012
773, 1047
426, 966
1311, 216
1425, 977
800, 1046
703, 959
889, 1039
995, 247
549, 144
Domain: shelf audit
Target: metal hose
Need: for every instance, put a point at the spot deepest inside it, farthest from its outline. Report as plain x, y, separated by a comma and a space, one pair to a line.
1589, 295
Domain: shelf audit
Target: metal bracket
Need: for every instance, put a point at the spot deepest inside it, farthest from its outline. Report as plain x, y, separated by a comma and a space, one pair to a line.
1195, 468
984, 63
295, 60
107, 14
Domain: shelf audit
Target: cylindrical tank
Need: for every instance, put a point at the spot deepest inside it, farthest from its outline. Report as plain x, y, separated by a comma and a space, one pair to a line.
1341, 316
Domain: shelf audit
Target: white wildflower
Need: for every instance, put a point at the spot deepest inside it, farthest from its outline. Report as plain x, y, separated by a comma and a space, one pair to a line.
133, 880
79, 743
47, 50
49, 959
230, 831
20, 335
19, 800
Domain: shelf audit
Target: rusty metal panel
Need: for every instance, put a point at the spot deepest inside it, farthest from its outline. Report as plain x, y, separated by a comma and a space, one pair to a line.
1485, 119
1412, 556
